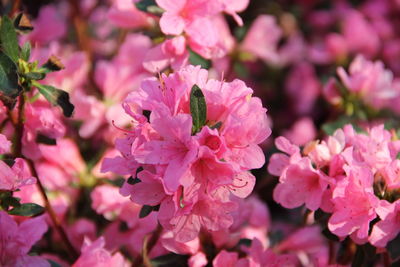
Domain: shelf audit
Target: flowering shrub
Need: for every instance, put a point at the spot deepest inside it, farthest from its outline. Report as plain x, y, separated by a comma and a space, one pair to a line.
136, 133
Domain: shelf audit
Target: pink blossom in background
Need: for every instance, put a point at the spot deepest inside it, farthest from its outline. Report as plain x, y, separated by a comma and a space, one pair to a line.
262, 39
123, 13
302, 132
17, 240
94, 254
49, 26
371, 82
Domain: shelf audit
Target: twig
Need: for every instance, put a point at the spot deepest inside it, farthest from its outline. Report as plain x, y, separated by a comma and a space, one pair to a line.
19, 132
19, 127
56, 222
386, 259
84, 43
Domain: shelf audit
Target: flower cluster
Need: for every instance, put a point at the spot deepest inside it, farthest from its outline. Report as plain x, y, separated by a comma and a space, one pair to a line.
194, 141
352, 176
369, 82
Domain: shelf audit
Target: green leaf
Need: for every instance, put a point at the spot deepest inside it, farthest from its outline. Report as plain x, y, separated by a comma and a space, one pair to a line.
42, 139
146, 210
245, 242
133, 181
171, 259
195, 59
56, 97
8, 37
149, 6
198, 108
241, 70
53, 263
330, 127
27, 209
217, 125
9, 87
26, 51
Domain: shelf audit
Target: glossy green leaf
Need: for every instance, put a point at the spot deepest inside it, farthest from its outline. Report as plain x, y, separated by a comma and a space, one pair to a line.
8, 37
56, 97
195, 59
146, 210
9, 87
149, 6
27, 209
198, 108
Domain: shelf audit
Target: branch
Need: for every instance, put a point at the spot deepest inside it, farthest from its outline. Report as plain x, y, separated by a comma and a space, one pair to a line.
53, 216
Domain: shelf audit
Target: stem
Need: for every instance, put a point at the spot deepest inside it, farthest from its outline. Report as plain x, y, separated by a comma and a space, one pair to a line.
386, 259
15, 7
148, 244
19, 127
19, 131
84, 42
53, 216
331, 252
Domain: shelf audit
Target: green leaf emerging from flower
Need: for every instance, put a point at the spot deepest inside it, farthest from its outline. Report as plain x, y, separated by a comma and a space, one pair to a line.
198, 109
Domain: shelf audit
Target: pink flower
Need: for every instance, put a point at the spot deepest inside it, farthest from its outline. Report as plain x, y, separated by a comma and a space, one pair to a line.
261, 257
40, 118
123, 13
13, 178
354, 204
225, 258
171, 52
179, 15
302, 131
359, 34
303, 87
5, 144
94, 254
17, 240
198, 260
232, 7
391, 175
191, 175
49, 26
370, 81
262, 39
301, 184
388, 227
